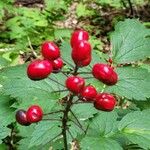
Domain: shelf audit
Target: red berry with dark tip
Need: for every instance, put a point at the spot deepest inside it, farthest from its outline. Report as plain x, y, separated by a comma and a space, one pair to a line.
39, 69
105, 74
78, 35
34, 114
88, 93
81, 51
105, 102
84, 62
75, 84
21, 117
50, 50
57, 64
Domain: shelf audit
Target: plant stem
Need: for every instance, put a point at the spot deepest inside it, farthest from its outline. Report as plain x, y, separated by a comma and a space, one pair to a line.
131, 8
64, 121
30, 45
66, 111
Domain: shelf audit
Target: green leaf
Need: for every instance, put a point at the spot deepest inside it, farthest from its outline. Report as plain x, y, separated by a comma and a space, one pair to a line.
6, 110
66, 53
135, 126
100, 131
130, 42
4, 132
44, 132
3, 62
18, 85
84, 110
95, 143
134, 83
83, 11
62, 33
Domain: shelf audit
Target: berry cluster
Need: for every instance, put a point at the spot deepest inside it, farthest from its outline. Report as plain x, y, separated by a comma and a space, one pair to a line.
41, 69
32, 115
81, 55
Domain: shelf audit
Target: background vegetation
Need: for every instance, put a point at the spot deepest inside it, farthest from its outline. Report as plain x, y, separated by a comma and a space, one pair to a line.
24, 25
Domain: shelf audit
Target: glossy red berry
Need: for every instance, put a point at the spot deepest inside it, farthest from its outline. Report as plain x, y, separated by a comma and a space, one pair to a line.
34, 114
84, 62
78, 35
75, 84
39, 69
57, 64
81, 51
105, 102
105, 74
21, 117
50, 50
88, 93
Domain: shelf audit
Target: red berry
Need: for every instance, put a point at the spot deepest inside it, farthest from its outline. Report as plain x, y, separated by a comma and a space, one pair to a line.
88, 93
57, 64
50, 50
75, 84
81, 51
105, 102
39, 69
21, 117
34, 114
84, 62
105, 74
78, 36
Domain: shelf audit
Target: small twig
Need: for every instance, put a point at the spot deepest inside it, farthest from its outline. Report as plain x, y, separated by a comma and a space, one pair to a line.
59, 91
77, 120
68, 63
131, 8
85, 72
75, 70
70, 134
77, 125
55, 137
88, 77
56, 82
30, 45
54, 112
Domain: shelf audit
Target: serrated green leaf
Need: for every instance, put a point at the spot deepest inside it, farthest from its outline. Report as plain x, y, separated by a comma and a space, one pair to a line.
82, 10
84, 110
66, 53
62, 33
134, 83
18, 85
95, 143
135, 126
4, 132
130, 42
6, 110
44, 132
100, 131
